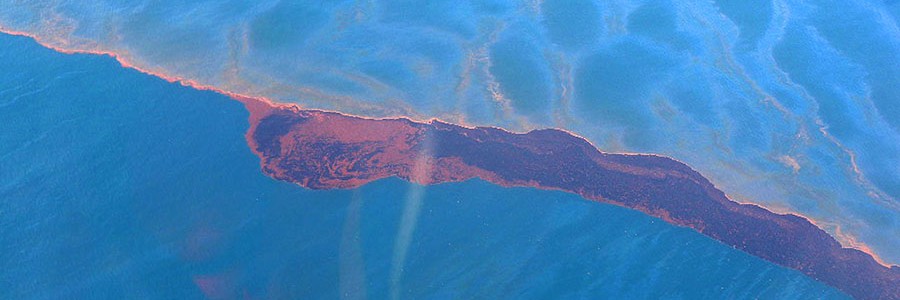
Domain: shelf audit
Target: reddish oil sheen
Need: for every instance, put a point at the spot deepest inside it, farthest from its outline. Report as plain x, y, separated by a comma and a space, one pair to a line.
855, 271
328, 150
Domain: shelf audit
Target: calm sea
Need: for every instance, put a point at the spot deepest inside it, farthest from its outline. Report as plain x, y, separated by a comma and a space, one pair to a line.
119, 185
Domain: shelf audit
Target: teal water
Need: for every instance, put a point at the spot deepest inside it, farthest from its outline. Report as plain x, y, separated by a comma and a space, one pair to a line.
118, 185
789, 104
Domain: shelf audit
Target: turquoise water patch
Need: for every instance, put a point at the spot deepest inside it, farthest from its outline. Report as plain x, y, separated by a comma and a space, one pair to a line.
613, 84
287, 24
751, 17
658, 20
523, 76
446, 15
572, 24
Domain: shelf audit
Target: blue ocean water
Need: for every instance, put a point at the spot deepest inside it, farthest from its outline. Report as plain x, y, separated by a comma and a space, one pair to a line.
791, 104
119, 185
